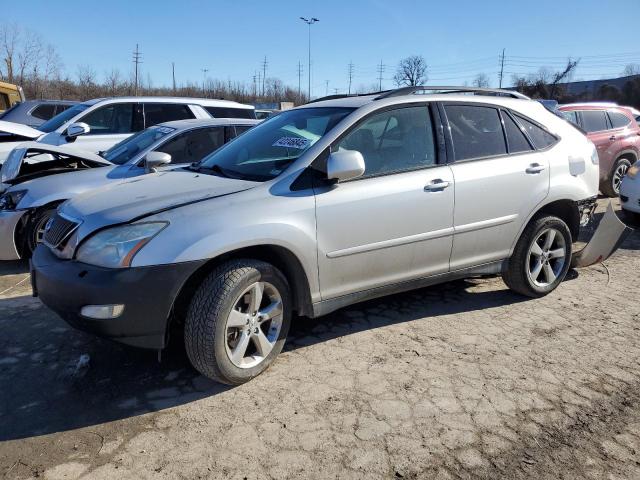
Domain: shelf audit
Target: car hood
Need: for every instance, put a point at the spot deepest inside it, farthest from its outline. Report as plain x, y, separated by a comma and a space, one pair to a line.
139, 197
19, 129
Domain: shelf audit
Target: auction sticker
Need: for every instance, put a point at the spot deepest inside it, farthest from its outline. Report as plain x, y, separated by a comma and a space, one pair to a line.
292, 142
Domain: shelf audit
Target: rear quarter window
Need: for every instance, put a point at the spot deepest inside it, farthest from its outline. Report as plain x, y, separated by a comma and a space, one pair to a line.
618, 120
226, 112
539, 136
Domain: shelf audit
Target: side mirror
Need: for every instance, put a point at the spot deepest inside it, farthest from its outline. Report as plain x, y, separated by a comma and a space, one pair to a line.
345, 165
153, 160
77, 129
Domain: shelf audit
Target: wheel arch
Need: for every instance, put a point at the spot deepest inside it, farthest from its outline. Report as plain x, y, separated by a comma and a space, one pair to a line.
565, 209
18, 234
280, 257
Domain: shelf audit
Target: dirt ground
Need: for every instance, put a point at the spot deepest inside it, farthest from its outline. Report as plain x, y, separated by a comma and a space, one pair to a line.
464, 380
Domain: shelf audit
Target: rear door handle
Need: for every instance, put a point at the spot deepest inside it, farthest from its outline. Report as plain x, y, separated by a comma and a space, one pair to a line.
612, 138
437, 185
535, 168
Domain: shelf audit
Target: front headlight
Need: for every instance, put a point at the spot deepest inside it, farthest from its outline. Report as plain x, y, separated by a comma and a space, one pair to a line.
10, 200
116, 247
633, 171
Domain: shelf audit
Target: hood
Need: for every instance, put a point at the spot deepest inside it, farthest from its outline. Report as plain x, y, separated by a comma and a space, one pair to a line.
11, 168
41, 191
19, 129
122, 202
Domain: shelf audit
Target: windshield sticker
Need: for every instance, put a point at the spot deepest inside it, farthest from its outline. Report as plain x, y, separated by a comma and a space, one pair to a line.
292, 142
165, 130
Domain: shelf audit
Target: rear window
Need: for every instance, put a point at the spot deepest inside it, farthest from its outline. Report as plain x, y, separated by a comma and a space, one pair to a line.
155, 113
594, 120
619, 120
227, 112
476, 131
540, 137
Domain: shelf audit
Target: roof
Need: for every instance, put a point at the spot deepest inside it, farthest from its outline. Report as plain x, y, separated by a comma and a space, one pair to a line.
43, 102
208, 122
211, 102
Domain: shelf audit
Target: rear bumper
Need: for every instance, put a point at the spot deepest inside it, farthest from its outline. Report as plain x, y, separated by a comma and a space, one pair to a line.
147, 293
8, 222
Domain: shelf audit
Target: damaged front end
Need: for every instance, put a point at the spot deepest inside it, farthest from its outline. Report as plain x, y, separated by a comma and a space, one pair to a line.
36, 160
609, 235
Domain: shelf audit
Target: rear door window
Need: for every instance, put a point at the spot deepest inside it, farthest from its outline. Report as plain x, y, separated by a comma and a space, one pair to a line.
571, 116
155, 113
516, 140
476, 131
618, 120
594, 120
194, 145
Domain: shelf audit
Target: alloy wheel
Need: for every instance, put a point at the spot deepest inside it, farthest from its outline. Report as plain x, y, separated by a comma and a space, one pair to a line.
253, 325
618, 175
547, 256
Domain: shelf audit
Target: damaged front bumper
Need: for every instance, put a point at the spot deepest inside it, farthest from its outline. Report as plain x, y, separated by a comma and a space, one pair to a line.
610, 233
8, 222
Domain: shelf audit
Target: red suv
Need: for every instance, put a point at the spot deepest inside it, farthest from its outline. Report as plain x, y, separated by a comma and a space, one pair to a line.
616, 135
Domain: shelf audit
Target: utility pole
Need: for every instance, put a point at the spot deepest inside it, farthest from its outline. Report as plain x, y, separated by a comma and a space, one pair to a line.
335, 91
326, 87
381, 68
299, 79
137, 60
309, 22
173, 73
350, 77
255, 85
204, 80
501, 67
264, 72
259, 79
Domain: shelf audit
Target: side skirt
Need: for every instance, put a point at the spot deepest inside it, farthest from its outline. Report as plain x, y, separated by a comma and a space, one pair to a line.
325, 307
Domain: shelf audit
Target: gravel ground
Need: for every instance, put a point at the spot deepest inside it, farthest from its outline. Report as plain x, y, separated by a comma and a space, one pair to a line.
463, 380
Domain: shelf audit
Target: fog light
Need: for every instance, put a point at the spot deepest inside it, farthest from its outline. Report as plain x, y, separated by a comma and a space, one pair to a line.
102, 312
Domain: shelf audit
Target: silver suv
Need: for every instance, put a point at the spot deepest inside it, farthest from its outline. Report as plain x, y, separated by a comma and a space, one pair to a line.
329, 204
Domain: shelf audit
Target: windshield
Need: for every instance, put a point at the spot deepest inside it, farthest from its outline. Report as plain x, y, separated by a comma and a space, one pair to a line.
56, 122
124, 151
266, 150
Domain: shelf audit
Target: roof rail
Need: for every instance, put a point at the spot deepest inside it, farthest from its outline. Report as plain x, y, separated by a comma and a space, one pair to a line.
333, 97
478, 91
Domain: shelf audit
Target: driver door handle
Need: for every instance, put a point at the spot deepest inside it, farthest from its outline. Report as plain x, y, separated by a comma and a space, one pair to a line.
535, 168
437, 185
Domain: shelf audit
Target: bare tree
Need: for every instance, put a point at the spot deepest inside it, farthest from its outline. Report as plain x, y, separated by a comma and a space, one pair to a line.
481, 80
631, 69
29, 54
113, 82
9, 40
86, 82
411, 71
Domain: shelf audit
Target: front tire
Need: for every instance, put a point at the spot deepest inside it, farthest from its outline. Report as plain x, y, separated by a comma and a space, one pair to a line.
612, 187
238, 321
541, 259
34, 231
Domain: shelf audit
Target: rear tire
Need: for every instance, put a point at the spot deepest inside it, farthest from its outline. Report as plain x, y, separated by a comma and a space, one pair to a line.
238, 321
541, 259
612, 186
34, 230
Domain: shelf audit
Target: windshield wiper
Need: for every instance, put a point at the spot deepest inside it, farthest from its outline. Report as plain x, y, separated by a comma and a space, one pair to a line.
215, 169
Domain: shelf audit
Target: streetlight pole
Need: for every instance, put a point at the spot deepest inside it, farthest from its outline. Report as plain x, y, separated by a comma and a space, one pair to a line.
309, 22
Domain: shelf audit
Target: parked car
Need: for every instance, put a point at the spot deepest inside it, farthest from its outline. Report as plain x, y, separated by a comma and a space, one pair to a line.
27, 206
10, 94
325, 205
616, 135
98, 124
35, 112
630, 193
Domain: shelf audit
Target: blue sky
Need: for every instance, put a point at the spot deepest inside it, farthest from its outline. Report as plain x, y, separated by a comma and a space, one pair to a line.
458, 38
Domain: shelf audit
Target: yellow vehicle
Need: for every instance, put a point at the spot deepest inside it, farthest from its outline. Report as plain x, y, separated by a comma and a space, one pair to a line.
9, 95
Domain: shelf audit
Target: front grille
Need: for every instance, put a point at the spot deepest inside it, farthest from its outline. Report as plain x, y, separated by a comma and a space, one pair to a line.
58, 230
